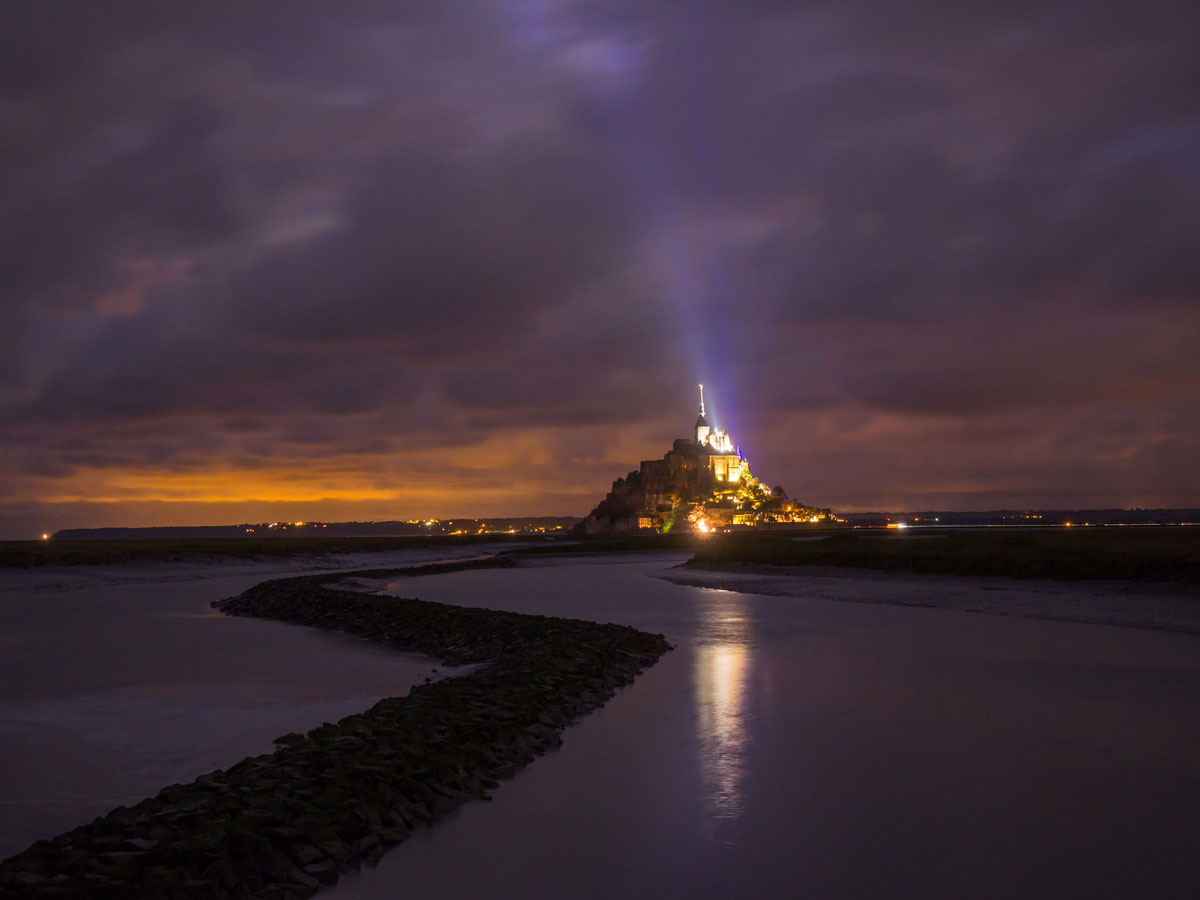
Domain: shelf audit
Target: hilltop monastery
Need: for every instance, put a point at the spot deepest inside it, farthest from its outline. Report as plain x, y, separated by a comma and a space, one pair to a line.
703, 483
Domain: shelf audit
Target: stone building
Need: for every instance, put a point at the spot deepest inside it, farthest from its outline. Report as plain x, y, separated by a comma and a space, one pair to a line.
693, 471
702, 483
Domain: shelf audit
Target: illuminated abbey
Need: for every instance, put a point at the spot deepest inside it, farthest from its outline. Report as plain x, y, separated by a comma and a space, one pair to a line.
724, 463
703, 483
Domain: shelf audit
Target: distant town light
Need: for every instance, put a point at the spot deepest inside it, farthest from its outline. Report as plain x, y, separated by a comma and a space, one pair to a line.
45, 537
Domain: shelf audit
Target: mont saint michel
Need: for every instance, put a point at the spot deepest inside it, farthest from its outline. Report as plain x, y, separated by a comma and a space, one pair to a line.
703, 483
353, 472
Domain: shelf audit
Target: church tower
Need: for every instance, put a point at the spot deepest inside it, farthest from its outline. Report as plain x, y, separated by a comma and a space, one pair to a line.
702, 427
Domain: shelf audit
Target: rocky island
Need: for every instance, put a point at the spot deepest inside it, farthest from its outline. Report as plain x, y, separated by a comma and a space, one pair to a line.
703, 483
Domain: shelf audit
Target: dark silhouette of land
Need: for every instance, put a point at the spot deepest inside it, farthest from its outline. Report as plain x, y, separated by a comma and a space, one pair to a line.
390, 528
1125, 554
1152, 554
27, 554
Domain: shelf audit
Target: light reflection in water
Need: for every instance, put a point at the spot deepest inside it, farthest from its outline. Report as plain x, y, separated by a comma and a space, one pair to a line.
722, 668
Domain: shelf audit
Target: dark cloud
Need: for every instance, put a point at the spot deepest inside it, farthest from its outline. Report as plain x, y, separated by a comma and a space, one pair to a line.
923, 253
426, 241
162, 191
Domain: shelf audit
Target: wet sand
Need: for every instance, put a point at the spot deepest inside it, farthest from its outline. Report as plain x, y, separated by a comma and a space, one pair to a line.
1167, 607
790, 746
807, 747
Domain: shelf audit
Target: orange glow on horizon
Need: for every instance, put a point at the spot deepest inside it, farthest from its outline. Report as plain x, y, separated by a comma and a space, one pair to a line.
541, 471
333, 489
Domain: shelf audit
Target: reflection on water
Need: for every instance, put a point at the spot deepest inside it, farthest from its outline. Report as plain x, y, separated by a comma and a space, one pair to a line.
723, 659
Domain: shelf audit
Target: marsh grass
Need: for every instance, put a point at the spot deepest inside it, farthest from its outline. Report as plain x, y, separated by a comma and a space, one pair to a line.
1126, 554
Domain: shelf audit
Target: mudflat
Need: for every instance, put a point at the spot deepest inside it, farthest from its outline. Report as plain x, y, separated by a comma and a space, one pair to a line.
1164, 606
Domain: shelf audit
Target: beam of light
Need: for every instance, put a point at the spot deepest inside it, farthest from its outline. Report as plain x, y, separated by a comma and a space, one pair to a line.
700, 297
670, 163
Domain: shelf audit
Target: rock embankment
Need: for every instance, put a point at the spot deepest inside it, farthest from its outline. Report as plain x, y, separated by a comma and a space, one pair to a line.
286, 823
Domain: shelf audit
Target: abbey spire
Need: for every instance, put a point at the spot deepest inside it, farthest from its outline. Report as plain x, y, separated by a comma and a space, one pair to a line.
702, 427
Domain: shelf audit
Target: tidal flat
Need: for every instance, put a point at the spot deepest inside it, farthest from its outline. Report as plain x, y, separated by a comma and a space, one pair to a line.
1162, 606
118, 680
799, 745
281, 824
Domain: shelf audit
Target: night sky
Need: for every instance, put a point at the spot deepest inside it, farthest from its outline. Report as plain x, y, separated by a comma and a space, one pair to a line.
363, 260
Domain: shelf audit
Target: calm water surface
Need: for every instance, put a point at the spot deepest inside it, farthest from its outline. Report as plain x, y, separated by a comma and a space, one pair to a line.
807, 748
117, 681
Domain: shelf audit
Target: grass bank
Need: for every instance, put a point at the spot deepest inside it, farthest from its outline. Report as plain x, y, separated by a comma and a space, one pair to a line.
1125, 554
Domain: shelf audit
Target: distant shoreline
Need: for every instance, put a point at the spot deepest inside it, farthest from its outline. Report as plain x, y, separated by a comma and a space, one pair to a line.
35, 554
32, 554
